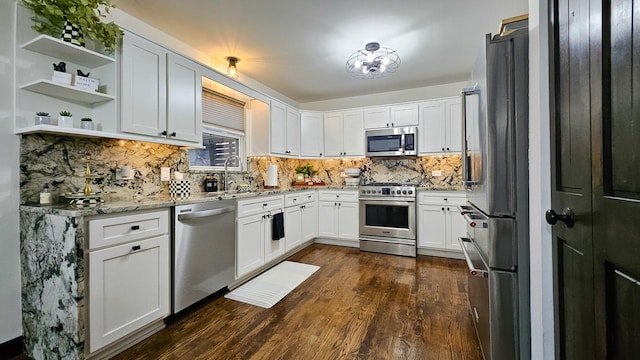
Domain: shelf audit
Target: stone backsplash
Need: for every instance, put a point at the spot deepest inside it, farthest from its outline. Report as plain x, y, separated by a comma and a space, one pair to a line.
60, 161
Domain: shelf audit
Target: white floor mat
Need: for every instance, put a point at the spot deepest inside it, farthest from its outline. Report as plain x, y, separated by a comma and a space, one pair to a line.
273, 285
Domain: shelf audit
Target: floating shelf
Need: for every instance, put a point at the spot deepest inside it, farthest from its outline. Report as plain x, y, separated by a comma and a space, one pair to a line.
47, 45
66, 92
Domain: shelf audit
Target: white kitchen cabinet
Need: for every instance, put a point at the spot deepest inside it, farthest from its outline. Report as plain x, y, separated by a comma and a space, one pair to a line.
285, 129
439, 221
344, 133
129, 281
404, 115
338, 214
311, 134
440, 121
377, 117
161, 93
301, 218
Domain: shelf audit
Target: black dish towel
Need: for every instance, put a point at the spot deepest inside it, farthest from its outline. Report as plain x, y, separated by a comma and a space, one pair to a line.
277, 231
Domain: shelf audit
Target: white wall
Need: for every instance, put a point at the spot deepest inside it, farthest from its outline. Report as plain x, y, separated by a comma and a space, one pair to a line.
542, 326
417, 94
10, 300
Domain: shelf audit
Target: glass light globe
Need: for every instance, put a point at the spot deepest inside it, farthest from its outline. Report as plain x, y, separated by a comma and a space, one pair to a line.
357, 64
365, 70
385, 60
370, 57
382, 68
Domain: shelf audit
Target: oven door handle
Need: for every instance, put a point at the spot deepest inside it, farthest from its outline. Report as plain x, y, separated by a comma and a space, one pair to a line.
474, 269
388, 201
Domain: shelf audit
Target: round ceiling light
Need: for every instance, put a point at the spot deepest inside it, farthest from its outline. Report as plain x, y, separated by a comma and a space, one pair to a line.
373, 61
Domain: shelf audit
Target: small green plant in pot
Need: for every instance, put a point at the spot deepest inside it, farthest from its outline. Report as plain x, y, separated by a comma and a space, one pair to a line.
51, 17
307, 171
65, 119
42, 118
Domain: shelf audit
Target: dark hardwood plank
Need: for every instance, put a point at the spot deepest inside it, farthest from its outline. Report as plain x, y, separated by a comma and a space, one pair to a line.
357, 306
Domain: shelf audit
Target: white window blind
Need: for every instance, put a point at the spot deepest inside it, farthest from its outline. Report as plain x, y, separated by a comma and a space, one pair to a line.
222, 111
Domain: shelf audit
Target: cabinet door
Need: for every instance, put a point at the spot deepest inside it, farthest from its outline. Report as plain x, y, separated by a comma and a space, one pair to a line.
272, 248
293, 226
129, 289
432, 127
453, 125
249, 244
375, 118
333, 134
431, 226
293, 132
328, 219
456, 228
404, 115
277, 123
144, 87
184, 118
353, 133
311, 134
309, 221
349, 228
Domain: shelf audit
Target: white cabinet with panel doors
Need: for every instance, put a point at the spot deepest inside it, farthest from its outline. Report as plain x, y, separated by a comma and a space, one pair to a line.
129, 281
311, 134
440, 223
377, 117
344, 134
338, 215
404, 115
254, 244
285, 129
161, 93
440, 121
300, 218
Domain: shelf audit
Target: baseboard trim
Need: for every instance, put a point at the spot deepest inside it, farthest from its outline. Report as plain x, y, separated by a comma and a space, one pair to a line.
451, 254
12, 348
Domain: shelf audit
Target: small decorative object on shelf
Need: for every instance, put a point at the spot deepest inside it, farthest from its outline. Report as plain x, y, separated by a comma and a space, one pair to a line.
42, 118
84, 82
86, 123
65, 119
87, 197
308, 172
45, 195
61, 66
72, 33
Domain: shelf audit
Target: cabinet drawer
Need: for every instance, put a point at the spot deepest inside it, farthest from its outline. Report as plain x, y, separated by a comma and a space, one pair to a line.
120, 229
342, 195
442, 198
299, 198
258, 205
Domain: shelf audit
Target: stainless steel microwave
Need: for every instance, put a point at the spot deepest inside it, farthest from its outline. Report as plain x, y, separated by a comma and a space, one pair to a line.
392, 142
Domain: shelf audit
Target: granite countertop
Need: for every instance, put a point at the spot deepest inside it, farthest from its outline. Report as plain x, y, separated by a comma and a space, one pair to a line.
457, 189
159, 202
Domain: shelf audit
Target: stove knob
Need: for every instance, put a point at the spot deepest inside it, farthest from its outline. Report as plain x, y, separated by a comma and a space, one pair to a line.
410, 192
398, 192
404, 192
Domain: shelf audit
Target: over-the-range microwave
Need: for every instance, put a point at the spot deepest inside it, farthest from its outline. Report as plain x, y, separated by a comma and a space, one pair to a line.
392, 141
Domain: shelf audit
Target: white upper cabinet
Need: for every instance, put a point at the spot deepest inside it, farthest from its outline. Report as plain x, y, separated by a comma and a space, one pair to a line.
440, 131
285, 129
161, 93
333, 134
344, 133
404, 115
376, 118
311, 134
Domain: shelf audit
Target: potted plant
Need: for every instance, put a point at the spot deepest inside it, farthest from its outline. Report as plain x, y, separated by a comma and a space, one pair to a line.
86, 123
65, 119
42, 118
307, 171
59, 18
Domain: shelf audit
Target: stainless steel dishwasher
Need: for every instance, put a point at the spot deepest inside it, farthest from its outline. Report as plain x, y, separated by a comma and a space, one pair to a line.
204, 251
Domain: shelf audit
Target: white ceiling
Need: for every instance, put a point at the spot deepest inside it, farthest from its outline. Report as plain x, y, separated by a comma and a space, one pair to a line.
299, 47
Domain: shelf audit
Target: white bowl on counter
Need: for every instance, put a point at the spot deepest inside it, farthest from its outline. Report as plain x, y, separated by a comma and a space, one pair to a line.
352, 172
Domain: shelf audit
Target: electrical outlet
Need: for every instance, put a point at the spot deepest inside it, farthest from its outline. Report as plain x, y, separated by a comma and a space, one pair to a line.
165, 174
436, 173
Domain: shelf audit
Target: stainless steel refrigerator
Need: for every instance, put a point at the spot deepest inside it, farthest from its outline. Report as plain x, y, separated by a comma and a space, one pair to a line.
495, 173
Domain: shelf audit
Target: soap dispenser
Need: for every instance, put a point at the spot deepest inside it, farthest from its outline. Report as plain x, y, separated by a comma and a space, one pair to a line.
45, 195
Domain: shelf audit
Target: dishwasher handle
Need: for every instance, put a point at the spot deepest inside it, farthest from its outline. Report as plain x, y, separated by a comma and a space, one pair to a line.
205, 213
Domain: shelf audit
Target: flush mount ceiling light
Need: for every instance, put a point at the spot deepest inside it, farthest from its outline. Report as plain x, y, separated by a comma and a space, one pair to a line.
373, 61
232, 70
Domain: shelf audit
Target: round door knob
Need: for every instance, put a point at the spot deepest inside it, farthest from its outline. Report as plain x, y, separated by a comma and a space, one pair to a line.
567, 217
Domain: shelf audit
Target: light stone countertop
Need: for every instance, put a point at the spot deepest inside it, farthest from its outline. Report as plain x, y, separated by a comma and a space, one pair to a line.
147, 203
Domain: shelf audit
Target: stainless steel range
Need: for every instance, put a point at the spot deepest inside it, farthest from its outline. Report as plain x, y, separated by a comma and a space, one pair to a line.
388, 218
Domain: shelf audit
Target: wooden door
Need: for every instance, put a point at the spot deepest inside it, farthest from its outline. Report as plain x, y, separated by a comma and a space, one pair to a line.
596, 173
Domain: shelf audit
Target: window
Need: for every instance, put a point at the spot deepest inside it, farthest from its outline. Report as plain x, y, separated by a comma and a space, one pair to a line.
222, 133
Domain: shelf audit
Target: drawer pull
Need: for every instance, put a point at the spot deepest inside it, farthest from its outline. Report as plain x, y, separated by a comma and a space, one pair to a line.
135, 227
135, 247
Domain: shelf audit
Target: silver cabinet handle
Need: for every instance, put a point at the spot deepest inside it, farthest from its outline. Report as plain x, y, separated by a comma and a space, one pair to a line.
466, 174
206, 213
472, 269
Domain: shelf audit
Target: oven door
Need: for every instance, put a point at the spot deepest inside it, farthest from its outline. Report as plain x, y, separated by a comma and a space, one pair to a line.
388, 218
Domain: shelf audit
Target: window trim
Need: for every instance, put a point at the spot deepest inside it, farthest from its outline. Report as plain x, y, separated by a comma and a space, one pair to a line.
218, 130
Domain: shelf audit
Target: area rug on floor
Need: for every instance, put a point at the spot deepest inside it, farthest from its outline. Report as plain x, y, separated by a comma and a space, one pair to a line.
273, 285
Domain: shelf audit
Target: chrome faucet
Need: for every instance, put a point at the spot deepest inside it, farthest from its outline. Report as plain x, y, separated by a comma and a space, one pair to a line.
226, 173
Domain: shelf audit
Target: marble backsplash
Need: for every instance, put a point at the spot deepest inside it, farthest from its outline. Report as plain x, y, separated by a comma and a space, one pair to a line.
60, 162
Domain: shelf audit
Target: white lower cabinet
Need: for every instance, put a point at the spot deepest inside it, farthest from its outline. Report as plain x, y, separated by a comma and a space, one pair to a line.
439, 221
300, 218
129, 282
338, 214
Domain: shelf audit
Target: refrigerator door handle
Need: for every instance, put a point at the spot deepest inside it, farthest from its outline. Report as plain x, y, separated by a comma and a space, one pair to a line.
476, 269
466, 166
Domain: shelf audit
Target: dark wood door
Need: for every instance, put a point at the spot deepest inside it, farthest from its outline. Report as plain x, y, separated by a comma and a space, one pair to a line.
595, 57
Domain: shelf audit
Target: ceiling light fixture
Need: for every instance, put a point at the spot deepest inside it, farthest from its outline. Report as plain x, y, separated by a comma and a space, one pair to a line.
373, 61
232, 70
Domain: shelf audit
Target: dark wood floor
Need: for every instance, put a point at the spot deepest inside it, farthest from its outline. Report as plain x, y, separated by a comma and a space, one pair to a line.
356, 306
